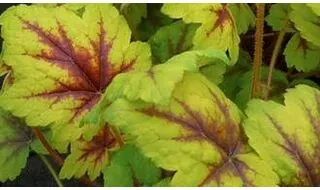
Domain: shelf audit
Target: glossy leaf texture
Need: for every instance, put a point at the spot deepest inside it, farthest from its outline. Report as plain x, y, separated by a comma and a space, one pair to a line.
15, 141
243, 16
157, 84
129, 167
171, 40
306, 21
218, 29
288, 136
90, 157
197, 135
301, 54
62, 62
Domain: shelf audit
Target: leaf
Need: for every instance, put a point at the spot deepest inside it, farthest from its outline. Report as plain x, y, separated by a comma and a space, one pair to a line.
218, 29
157, 84
278, 17
302, 55
315, 8
89, 157
129, 165
15, 140
171, 40
63, 63
279, 83
304, 81
290, 134
197, 135
306, 21
153, 22
134, 12
243, 16
230, 84
164, 182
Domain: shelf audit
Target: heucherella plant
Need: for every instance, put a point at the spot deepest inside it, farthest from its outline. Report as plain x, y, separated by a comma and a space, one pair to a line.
153, 95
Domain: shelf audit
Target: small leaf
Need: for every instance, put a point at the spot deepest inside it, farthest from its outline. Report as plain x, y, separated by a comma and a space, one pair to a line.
279, 83
218, 29
243, 16
288, 136
171, 40
134, 12
278, 17
129, 165
197, 135
306, 21
62, 63
164, 182
15, 140
157, 84
302, 55
89, 157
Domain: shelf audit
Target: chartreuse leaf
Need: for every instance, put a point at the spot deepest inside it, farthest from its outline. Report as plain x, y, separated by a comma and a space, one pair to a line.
302, 55
315, 8
90, 156
288, 136
243, 16
278, 17
62, 63
171, 40
157, 84
164, 182
304, 81
134, 12
15, 140
306, 21
197, 135
129, 167
218, 29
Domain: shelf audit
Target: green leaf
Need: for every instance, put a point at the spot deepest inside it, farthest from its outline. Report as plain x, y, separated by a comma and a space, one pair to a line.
134, 12
288, 136
197, 135
15, 140
89, 157
171, 40
164, 182
129, 166
279, 83
315, 8
302, 55
306, 21
153, 22
243, 16
278, 17
62, 63
157, 84
218, 29
304, 81
231, 83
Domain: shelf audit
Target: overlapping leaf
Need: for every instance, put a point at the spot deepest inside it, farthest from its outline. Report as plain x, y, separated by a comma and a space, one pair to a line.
278, 17
15, 141
315, 8
62, 63
307, 22
302, 55
130, 165
243, 16
171, 40
197, 135
90, 157
217, 30
288, 136
134, 12
157, 84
